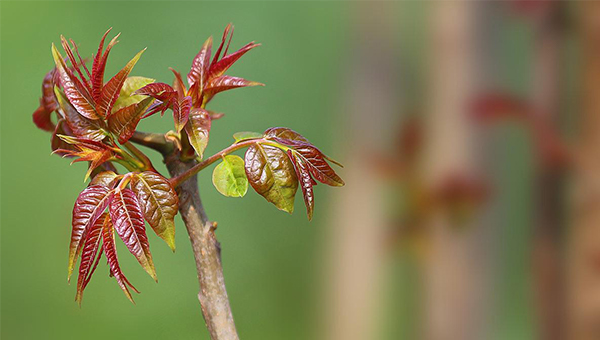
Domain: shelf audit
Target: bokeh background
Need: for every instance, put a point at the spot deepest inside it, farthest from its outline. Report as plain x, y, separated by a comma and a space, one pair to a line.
470, 134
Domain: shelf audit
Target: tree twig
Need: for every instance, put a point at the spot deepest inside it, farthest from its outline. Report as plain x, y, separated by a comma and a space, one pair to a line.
153, 141
207, 253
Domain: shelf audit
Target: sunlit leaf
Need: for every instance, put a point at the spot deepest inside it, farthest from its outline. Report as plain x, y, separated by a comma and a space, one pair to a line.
199, 69
100, 64
81, 126
229, 177
220, 67
105, 179
90, 204
161, 91
74, 90
228, 32
198, 128
272, 175
159, 204
181, 112
75, 64
126, 96
123, 122
108, 245
245, 135
91, 246
224, 83
111, 90
306, 182
128, 221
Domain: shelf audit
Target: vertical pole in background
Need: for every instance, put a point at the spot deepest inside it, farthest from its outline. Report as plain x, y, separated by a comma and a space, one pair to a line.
457, 300
583, 261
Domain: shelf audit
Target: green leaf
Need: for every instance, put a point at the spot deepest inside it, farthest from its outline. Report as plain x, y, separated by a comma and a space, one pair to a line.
229, 177
244, 135
131, 85
271, 173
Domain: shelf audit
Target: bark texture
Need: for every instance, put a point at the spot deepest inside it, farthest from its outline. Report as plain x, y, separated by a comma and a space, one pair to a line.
207, 253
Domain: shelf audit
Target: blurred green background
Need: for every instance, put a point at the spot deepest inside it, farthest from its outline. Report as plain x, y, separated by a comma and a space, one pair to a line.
272, 260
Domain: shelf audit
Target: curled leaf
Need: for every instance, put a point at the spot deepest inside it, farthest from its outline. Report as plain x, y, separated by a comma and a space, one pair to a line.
159, 203
229, 177
106, 179
271, 174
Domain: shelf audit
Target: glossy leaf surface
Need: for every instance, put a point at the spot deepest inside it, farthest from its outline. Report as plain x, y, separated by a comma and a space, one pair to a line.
123, 122
229, 177
89, 206
111, 90
90, 252
126, 96
198, 128
306, 182
271, 174
110, 249
128, 221
159, 204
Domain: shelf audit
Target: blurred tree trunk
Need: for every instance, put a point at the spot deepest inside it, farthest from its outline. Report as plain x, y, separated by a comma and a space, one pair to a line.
457, 283
355, 247
547, 254
584, 239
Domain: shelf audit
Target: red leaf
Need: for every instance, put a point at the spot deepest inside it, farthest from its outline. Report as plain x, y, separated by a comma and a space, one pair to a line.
161, 91
198, 128
181, 112
99, 66
42, 118
318, 167
178, 84
228, 31
108, 240
90, 204
90, 252
200, 64
224, 83
217, 69
126, 214
124, 121
81, 126
74, 90
111, 90
48, 97
74, 62
306, 182
62, 128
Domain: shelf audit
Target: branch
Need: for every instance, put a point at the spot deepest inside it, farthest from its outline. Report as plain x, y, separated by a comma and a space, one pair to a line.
153, 141
207, 253
177, 180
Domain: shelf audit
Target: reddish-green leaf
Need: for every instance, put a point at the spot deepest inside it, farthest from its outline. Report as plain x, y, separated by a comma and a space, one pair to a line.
108, 245
220, 67
272, 175
90, 204
99, 66
178, 83
228, 32
56, 142
224, 83
76, 65
105, 179
81, 126
181, 112
91, 246
127, 96
126, 214
41, 116
111, 90
161, 91
159, 203
199, 69
198, 128
306, 182
245, 135
74, 90
123, 122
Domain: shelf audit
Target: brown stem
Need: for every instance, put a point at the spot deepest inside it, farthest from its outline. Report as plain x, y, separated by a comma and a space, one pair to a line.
154, 141
207, 253
192, 171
